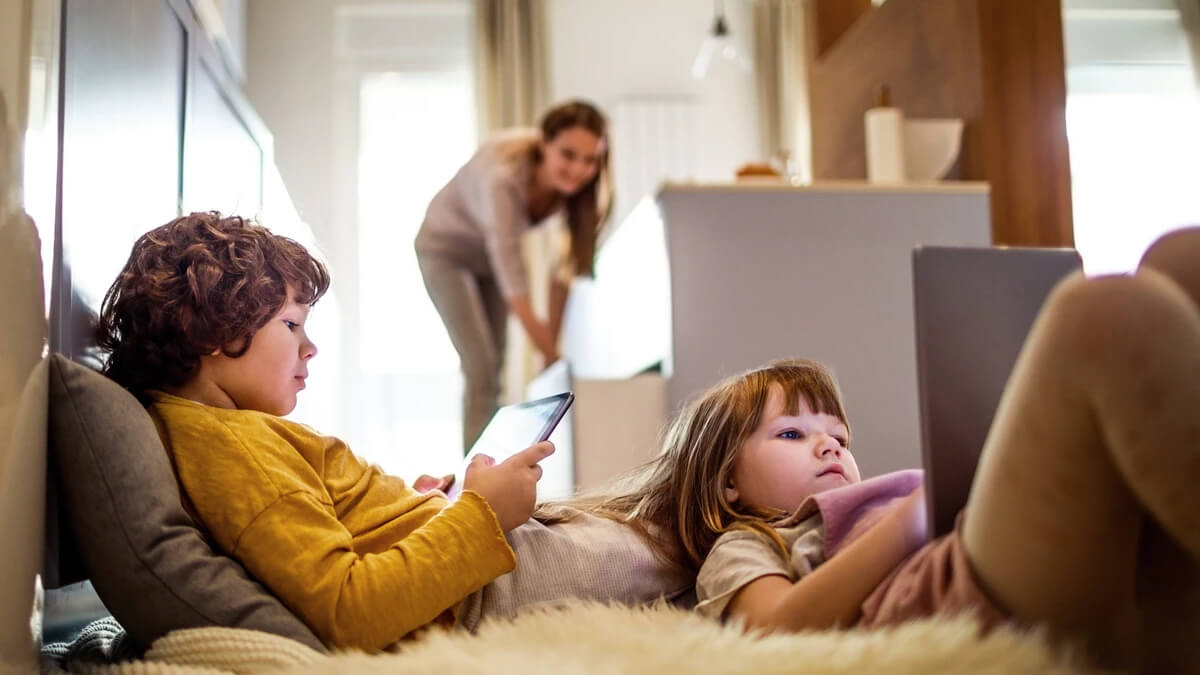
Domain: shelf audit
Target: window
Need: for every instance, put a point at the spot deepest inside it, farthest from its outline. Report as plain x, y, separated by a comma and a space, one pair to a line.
1132, 112
1134, 170
414, 133
408, 65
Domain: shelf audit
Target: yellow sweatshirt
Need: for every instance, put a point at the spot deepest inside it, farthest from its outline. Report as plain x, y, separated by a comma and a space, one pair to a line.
361, 557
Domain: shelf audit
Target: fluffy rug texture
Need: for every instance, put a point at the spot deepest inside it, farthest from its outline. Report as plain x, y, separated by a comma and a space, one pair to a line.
589, 638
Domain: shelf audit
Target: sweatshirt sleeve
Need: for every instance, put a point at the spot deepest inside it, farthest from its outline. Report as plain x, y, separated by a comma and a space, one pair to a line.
368, 601
501, 217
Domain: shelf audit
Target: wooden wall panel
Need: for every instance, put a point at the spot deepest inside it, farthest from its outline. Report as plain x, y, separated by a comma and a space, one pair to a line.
832, 18
997, 64
926, 52
1024, 125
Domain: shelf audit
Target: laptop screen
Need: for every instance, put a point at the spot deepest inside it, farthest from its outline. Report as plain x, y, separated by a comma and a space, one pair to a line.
973, 308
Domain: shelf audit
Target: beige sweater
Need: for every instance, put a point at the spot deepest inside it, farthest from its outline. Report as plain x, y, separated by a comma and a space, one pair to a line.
585, 557
478, 218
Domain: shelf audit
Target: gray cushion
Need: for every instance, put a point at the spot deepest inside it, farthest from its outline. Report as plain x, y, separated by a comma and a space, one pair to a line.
149, 563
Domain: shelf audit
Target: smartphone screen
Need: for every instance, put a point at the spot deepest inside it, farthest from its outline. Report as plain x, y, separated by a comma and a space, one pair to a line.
514, 428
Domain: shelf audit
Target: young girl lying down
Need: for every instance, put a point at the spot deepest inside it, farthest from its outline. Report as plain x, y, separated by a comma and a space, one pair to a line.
1083, 517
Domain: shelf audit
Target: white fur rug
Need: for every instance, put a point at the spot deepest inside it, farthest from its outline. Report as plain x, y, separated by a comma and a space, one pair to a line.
589, 638
599, 639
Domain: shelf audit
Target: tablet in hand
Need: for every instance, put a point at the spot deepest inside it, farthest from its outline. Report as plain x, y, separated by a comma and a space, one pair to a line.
512, 429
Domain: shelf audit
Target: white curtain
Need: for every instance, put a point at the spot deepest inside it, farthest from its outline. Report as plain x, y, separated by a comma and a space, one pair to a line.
781, 68
510, 63
511, 89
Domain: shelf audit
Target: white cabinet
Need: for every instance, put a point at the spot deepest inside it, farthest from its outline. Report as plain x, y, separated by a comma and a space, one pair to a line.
742, 274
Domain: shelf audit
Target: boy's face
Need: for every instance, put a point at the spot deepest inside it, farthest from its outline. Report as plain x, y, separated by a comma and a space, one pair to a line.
789, 457
271, 373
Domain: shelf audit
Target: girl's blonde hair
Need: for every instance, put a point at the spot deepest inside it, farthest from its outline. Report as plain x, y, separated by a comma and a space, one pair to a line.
677, 501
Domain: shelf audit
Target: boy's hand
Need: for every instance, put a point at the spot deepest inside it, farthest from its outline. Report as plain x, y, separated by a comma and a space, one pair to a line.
510, 487
425, 482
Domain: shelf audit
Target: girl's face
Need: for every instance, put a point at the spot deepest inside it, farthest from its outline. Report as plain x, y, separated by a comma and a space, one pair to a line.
271, 373
789, 457
571, 159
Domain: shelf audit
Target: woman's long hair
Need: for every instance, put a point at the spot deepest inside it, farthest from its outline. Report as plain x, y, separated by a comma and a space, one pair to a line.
677, 501
589, 208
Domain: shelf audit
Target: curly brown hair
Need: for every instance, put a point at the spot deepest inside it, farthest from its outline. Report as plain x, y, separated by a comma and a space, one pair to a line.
200, 283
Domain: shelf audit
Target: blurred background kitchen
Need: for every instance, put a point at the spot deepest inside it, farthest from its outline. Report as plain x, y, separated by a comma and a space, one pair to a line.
334, 121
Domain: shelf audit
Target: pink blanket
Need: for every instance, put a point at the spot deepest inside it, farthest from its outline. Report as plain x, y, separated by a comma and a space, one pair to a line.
849, 511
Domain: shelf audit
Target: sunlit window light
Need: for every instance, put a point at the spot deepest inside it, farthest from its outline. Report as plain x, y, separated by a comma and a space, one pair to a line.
1133, 173
415, 130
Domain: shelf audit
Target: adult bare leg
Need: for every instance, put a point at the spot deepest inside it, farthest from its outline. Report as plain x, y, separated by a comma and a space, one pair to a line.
1097, 431
1177, 255
1169, 578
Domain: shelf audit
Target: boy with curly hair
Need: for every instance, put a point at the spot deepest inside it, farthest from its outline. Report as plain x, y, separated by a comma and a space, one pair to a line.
205, 325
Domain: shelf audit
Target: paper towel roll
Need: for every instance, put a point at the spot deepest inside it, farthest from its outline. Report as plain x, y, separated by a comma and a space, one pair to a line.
885, 145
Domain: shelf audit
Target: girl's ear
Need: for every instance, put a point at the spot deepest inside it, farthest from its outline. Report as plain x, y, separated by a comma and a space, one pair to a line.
731, 492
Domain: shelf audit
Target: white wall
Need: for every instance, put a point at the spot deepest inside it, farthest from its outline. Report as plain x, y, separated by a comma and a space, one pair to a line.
289, 80
618, 49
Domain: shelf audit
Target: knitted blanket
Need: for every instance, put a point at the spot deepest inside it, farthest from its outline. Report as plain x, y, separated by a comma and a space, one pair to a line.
101, 641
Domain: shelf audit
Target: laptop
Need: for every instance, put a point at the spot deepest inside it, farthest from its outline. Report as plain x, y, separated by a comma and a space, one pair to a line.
973, 308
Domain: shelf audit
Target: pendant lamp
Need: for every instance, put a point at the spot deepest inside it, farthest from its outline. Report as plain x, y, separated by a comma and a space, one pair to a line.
718, 49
